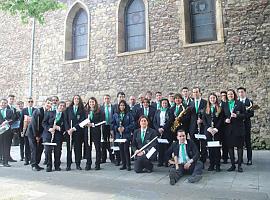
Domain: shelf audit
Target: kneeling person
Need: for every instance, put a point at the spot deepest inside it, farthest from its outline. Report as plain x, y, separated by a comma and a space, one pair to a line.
185, 158
143, 136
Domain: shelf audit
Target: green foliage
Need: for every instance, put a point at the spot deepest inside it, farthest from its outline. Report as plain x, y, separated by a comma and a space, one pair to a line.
30, 8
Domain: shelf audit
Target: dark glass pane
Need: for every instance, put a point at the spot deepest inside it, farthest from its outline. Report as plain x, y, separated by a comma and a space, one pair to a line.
80, 35
202, 18
135, 25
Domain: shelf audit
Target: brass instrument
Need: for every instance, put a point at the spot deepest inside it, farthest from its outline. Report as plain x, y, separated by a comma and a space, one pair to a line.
252, 106
177, 122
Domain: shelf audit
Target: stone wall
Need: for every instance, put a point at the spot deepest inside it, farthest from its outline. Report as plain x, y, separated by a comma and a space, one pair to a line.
242, 60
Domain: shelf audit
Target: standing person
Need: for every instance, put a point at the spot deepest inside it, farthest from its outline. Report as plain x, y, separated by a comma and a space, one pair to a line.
55, 101
54, 127
108, 112
143, 136
132, 104
20, 105
235, 114
196, 123
6, 116
156, 105
212, 119
225, 151
139, 105
162, 122
249, 113
186, 98
120, 96
123, 125
24, 122
148, 95
171, 99
147, 111
75, 114
35, 133
15, 117
95, 116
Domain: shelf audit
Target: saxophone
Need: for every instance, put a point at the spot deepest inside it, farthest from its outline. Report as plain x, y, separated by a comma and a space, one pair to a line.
177, 122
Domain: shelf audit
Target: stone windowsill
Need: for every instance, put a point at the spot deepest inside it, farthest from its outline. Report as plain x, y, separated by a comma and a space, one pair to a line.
202, 43
76, 61
133, 52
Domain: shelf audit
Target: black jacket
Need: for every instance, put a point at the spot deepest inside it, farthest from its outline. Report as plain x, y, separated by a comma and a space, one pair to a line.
193, 127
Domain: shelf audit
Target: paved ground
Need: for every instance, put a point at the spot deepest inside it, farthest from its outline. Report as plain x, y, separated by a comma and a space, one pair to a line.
20, 183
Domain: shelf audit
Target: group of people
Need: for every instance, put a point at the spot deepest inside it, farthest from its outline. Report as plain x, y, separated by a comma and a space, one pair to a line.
173, 130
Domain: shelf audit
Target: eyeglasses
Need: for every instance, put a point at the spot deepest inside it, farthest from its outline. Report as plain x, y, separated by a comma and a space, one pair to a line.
30, 101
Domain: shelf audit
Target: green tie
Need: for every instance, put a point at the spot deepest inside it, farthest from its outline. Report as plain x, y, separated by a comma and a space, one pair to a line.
75, 109
183, 153
107, 114
158, 105
197, 106
176, 110
142, 135
3, 113
145, 112
30, 111
91, 115
58, 117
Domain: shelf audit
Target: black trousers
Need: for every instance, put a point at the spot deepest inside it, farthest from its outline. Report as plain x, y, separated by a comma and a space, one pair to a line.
124, 153
36, 151
195, 169
57, 151
214, 152
105, 145
239, 154
162, 148
201, 145
141, 163
77, 139
27, 151
88, 149
4, 145
10, 137
21, 140
248, 142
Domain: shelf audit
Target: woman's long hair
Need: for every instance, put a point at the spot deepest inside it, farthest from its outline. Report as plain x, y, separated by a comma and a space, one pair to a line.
126, 107
96, 108
80, 104
208, 106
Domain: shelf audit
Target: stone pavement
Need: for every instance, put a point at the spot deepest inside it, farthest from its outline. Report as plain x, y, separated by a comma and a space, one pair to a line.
20, 183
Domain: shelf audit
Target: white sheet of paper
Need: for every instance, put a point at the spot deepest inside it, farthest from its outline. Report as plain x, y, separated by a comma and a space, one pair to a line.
163, 141
150, 153
84, 122
213, 144
49, 143
115, 148
100, 123
200, 136
120, 140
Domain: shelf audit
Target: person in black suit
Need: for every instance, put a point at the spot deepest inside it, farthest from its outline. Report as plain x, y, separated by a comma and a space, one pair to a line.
162, 122
6, 117
35, 133
24, 122
54, 127
108, 113
120, 96
186, 99
20, 105
225, 151
186, 159
196, 123
212, 119
75, 114
95, 116
147, 111
249, 113
171, 99
123, 126
157, 105
139, 105
143, 136
15, 117
177, 109
235, 114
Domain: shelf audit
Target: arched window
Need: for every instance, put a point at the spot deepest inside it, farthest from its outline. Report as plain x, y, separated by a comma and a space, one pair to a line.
80, 35
135, 32
202, 20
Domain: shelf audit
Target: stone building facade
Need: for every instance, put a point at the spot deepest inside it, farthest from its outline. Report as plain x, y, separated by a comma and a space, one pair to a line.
238, 57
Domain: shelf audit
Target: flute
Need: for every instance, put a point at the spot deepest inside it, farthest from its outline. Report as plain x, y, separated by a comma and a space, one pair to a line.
141, 149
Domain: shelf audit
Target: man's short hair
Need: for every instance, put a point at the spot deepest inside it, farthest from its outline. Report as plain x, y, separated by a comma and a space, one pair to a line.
241, 88
121, 93
11, 95
181, 131
185, 88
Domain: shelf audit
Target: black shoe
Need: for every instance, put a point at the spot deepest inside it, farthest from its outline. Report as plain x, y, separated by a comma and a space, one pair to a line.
78, 167
129, 168
68, 168
211, 168
232, 168
172, 179
40, 168
26, 163
160, 164
87, 167
97, 167
249, 162
21, 159
117, 164
194, 179
12, 160
45, 162
123, 167
218, 168
240, 169
225, 161
166, 165
48, 169
148, 170
103, 161
35, 168
58, 169
6, 165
